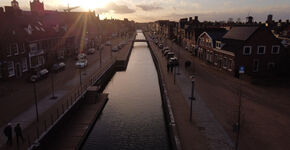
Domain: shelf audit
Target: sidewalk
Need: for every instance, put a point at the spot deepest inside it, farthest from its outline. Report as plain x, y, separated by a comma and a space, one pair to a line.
204, 121
50, 110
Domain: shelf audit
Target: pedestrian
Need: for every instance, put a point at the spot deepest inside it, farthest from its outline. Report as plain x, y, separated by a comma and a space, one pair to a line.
171, 67
18, 132
8, 134
168, 65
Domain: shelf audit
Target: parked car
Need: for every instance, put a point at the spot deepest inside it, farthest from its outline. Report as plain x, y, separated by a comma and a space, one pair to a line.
38, 75
169, 55
82, 63
108, 43
160, 46
115, 49
91, 50
165, 52
174, 61
58, 67
81, 56
164, 49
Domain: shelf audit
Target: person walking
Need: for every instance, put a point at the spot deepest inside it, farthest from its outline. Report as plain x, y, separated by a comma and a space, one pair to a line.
171, 67
18, 132
8, 134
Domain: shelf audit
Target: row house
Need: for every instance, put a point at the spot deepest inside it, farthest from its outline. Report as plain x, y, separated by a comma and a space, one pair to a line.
210, 50
254, 48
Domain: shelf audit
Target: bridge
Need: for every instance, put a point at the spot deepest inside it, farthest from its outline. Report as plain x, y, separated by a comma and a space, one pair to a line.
138, 40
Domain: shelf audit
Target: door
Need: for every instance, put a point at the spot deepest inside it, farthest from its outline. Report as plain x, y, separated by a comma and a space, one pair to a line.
18, 70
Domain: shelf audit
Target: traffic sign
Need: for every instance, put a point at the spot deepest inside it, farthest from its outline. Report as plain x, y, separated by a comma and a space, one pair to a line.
242, 70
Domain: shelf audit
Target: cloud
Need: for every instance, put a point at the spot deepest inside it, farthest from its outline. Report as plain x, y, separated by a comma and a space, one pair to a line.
118, 9
115, 8
149, 7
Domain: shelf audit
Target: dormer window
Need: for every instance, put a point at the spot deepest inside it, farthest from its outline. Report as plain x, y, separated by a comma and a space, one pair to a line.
218, 44
275, 49
261, 50
247, 50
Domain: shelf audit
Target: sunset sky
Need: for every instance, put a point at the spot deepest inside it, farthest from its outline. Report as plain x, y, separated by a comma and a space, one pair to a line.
151, 10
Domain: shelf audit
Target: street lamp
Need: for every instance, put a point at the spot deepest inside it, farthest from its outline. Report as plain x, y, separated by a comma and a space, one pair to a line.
192, 98
81, 77
52, 86
33, 79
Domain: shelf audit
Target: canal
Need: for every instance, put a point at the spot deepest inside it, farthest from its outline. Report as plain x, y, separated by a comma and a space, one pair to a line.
133, 117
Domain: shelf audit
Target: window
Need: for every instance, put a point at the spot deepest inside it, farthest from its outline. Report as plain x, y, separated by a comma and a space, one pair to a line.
255, 65
271, 66
225, 62
8, 51
14, 48
247, 50
230, 65
275, 49
24, 65
33, 47
261, 50
10, 68
218, 44
22, 48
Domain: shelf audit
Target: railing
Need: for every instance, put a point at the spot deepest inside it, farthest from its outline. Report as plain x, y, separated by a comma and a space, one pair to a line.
56, 113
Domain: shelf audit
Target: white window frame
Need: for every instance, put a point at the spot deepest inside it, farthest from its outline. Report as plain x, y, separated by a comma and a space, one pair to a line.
17, 50
24, 65
225, 62
230, 64
218, 44
272, 52
257, 70
258, 52
13, 68
23, 48
8, 48
245, 49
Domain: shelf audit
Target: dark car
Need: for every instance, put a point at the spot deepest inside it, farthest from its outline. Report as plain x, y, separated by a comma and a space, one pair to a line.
58, 67
38, 75
169, 55
174, 61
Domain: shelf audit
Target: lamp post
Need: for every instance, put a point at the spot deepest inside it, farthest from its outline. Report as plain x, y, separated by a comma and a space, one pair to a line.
33, 79
52, 87
81, 78
237, 126
192, 98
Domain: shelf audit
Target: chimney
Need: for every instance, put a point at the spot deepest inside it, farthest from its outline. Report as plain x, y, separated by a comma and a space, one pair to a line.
1, 10
190, 19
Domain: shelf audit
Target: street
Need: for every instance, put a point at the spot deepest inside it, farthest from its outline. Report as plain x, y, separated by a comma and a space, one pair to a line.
263, 108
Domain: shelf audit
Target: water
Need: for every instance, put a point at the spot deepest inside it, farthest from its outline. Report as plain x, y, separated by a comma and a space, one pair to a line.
133, 117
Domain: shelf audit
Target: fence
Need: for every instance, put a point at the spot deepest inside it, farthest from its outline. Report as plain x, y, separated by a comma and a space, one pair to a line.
57, 114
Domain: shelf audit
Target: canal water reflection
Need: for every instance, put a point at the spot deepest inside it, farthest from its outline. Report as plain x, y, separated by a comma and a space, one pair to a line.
133, 117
